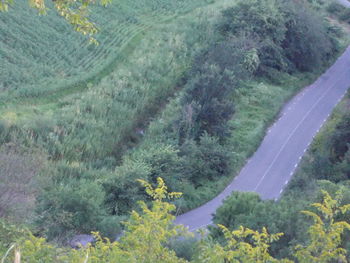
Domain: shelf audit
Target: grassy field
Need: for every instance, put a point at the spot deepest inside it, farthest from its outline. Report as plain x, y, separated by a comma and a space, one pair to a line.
117, 86
46, 59
91, 122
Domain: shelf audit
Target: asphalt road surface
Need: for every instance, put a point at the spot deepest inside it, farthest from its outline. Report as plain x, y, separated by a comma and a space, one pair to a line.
271, 167
345, 3
274, 163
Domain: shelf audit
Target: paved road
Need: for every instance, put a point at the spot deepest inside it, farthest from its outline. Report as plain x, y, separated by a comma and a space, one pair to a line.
273, 164
345, 3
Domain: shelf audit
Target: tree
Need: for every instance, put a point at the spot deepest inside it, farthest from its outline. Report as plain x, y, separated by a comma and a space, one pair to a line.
206, 160
242, 245
148, 232
144, 240
326, 233
307, 42
263, 21
74, 11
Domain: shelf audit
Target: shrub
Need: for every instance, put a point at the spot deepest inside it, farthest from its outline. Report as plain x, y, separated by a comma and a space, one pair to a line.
207, 107
345, 15
206, 160
307, 43
335, 8
261, 19
288, 34
70, 208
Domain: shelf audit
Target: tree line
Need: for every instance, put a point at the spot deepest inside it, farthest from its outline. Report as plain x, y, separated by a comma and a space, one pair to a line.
148, 234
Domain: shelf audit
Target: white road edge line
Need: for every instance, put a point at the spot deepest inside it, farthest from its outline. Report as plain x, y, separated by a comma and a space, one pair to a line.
291, 135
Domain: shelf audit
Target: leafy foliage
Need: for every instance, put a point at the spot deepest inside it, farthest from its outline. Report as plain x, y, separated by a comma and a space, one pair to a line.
325, 234
307, 41
96, 134
75, 12
283, 31
148, 232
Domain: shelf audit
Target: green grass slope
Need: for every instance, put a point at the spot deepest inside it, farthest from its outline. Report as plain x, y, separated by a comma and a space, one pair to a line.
41, 55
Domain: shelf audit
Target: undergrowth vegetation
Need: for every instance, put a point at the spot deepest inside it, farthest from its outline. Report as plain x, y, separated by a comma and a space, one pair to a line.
189, 104
149, 237
326, 166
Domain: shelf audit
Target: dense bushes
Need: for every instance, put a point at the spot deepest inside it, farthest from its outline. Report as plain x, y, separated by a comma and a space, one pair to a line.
339, 11
304, 43
208, 97
331, 155
249, 210
195, 144
288, 34
307, 43
325, 167
151, 237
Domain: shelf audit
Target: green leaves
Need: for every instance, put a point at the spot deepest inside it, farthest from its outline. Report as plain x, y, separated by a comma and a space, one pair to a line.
4, 5
288, 34
160, 192
148, 232
75, 12
326, 233
242, 245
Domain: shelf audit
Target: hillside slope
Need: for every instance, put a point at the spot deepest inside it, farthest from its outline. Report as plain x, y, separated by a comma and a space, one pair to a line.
46, 55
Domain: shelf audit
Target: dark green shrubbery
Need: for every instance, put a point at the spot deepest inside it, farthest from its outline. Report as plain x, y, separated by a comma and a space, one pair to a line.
340, 139
326, 167
191, 149
205, 160
307, 43
335, 8
249, 210
339, 11
289, 35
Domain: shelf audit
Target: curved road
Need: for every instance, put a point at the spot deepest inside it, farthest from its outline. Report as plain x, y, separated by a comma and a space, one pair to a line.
273, 164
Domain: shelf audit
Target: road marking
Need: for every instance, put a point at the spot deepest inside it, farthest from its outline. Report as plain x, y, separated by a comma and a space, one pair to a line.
300, 157
291, 173
293, 132
286, 182
304, 150
296, 165
281, 191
